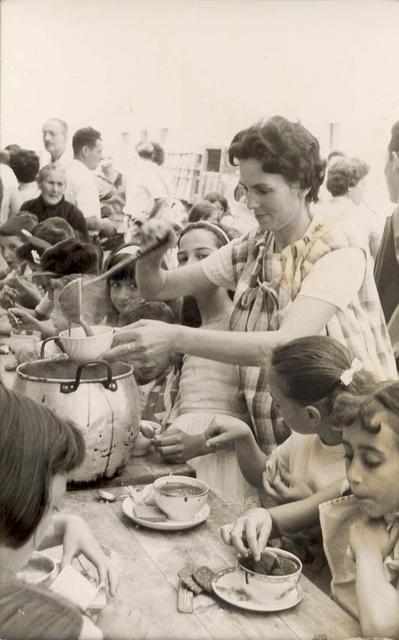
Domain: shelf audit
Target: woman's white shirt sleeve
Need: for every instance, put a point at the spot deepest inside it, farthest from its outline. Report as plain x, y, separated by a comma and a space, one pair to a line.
337, 277
218, 267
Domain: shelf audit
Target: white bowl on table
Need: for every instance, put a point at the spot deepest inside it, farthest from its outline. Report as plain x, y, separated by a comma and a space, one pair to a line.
180, 497
268, 588
82, 348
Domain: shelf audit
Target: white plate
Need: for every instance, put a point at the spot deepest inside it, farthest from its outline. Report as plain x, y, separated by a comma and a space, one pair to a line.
167, 525
230, 580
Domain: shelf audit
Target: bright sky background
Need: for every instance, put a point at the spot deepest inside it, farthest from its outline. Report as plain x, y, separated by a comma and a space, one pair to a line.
201, 68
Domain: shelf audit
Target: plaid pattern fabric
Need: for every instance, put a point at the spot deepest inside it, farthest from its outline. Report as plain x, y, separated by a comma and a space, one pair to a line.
267, 283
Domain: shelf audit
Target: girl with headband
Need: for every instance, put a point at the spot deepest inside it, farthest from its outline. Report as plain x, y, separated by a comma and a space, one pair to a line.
207, 389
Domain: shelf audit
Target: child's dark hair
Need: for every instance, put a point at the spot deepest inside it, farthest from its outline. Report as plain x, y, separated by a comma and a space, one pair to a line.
349, 408
126, 273
149, 311
203, 210
310, 369
71, 256
14, 225
35, 445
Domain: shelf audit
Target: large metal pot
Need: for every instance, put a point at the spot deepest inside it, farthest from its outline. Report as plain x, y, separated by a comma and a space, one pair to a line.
101, 398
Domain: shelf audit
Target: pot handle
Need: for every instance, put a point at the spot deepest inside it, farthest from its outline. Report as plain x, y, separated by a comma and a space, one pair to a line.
70, 387
51, 339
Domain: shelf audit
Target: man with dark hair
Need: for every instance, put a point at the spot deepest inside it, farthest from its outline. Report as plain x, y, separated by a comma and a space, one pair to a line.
25, 164
55, 134
81, 182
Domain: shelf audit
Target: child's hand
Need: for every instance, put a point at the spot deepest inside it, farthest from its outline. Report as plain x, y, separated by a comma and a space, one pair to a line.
283, 488
8, 296
373, 536
223, 430
22, 319
249, 533
176, 446
79, 539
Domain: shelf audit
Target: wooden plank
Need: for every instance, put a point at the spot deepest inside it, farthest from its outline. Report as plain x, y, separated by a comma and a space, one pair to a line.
152, 559
142, 584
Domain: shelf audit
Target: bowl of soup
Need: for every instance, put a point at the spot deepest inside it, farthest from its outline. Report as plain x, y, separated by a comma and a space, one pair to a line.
41, 569
275, 577
180, 497
82, 348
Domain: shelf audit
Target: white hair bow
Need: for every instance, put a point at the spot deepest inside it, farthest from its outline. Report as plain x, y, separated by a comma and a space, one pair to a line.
347, 376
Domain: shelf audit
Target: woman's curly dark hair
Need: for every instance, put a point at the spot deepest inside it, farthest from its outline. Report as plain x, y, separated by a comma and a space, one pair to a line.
348, 408
284, 148
344, 174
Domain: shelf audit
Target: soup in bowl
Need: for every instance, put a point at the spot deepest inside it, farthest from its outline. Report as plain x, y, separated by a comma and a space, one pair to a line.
180, 497
274, 578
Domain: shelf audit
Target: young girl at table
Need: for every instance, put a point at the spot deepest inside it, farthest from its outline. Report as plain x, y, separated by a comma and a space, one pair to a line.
361, 531
304, 378
207, 388
37, 450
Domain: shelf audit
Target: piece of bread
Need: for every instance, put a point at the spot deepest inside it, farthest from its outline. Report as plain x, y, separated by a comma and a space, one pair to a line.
152, 514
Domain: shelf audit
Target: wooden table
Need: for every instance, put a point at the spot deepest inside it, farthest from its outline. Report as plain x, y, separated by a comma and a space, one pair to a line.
151, 559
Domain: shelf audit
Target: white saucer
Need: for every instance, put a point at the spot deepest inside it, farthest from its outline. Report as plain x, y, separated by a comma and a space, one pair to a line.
231, 579
167, 525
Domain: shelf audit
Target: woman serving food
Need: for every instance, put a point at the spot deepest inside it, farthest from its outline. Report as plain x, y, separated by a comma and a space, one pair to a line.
293, 276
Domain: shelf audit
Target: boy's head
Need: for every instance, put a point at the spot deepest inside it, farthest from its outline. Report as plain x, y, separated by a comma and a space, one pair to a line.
11, 237
71, 256
151, 311
49, 231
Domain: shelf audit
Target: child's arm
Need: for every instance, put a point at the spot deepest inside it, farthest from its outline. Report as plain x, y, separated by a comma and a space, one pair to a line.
253, 529
28, 321
225, 429
377, 598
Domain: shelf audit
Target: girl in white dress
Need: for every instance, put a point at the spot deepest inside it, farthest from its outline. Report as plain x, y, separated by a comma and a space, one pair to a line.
207, 388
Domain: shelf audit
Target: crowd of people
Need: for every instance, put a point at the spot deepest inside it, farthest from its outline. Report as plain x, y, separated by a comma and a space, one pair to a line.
266, 356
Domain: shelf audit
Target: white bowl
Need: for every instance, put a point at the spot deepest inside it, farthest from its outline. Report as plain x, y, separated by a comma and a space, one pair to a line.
41, 569
175, 496
265, 588
82, 348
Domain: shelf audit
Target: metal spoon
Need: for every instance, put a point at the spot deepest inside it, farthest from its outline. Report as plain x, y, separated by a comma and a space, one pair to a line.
107, 496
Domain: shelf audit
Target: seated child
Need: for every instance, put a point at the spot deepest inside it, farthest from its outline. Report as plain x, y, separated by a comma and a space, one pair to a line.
361, 531
123, 293
207, 389
304, 377
15, 281
43, 235
67, 258
37, 450
122, 287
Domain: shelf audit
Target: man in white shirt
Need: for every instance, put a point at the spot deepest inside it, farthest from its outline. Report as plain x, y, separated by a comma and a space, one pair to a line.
147, 190
82, 188
55, 136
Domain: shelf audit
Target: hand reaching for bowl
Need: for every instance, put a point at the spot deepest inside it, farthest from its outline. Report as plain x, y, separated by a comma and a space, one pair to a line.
143, 341
250, 533
22, 319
